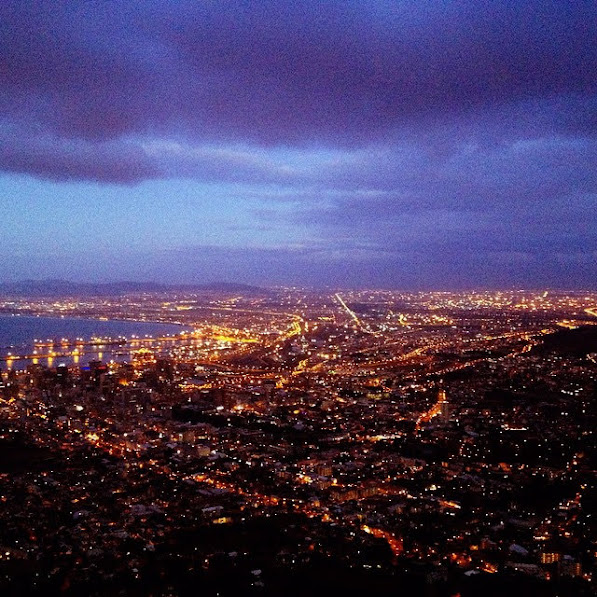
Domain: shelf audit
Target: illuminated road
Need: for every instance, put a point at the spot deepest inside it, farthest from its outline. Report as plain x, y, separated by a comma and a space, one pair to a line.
348, 310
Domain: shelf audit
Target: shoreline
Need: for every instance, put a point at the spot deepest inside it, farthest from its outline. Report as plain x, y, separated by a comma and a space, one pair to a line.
87, 336
86, 318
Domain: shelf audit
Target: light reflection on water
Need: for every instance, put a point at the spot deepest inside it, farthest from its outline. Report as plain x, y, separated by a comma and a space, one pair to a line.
18, 335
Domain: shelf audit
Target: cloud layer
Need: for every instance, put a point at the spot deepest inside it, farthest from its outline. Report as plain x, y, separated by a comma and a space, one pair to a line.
390, 132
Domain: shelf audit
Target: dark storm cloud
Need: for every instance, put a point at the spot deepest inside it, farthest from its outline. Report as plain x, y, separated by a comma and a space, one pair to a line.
284, 72
51, 158
352, 71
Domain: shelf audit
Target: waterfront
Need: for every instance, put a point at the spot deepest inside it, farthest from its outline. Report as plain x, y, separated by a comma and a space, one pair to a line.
24, 334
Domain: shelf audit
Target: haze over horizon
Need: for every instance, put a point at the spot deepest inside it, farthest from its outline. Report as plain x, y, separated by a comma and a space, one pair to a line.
383, 144
58, 287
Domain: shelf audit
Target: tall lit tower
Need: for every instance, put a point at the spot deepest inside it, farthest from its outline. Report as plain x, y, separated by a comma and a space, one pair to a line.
443, 404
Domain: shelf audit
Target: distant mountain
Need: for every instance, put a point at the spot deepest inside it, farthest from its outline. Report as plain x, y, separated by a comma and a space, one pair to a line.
68, 288
579, 342
229, 287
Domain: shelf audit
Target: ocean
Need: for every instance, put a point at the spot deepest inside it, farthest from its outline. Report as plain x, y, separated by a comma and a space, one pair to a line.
18, 334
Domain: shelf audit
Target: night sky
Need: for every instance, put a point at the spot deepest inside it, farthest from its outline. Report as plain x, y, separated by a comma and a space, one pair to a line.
396, 144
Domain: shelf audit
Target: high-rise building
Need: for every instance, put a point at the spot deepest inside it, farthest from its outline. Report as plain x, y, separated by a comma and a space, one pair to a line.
444, 405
